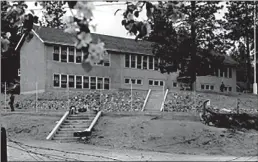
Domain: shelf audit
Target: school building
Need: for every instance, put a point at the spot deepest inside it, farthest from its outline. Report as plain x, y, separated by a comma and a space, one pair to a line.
49, 61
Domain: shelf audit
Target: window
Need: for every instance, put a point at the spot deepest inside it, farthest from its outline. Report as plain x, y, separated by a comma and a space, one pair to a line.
56, 80
127, 81
221, 72
78, 82
71, 54
106, 83
156, 64
139, 62
207, 87
92, 82
63, 81
127, 61
100, 83
86, 82
202, 86
150, 82
156, 82
144, 62
64, 54
161, 83
107, 62
212, 87
229, 89
56, 53
226, 88
71, 81
151, 62
78, 56
174, 84
230, 72
139, 81
133, 64
225, 72
133, 81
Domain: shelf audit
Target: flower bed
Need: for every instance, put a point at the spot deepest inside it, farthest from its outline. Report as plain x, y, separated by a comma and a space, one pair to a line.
106, 101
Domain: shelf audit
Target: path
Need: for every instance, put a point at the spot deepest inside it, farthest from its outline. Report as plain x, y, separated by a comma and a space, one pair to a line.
155, 100
89, 153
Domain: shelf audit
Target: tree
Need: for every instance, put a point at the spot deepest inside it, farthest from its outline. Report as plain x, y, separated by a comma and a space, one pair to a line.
184, 35
239, 23
54, 11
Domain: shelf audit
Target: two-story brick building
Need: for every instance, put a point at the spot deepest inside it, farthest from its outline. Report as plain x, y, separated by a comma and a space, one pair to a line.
51, 61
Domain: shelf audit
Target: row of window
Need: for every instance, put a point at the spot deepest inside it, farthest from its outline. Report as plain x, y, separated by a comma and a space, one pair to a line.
133, 81
211, 87
156, 83
224, 72
72, 55
142, 62
81, 82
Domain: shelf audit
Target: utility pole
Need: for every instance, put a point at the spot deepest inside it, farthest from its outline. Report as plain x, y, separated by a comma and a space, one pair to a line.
255, 62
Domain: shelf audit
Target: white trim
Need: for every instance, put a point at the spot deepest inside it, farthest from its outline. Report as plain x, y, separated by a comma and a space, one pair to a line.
19, 42
88, 82
37, 36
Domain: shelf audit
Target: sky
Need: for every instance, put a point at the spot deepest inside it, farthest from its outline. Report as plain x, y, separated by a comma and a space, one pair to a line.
107, 23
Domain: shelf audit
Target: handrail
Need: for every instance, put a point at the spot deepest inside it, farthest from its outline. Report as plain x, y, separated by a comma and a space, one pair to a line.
146, 99
93, 122
53, 132
163, 102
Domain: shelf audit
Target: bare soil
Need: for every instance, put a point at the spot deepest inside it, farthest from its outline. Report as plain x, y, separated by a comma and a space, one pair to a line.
144, 132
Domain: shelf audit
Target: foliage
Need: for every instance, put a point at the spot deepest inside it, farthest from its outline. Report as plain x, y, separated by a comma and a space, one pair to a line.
54, 11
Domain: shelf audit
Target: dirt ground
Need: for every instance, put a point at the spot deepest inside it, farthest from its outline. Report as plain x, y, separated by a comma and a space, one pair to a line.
145, 133
173, 136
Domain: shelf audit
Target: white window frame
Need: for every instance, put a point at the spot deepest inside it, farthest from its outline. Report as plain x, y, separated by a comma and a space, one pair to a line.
109, 83
75, 61
88, 83
61, 80
76, 81
54, 79
102, 83
74, 76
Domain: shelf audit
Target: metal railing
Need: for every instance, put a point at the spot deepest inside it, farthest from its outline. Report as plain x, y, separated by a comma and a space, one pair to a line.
163, 102
146, 99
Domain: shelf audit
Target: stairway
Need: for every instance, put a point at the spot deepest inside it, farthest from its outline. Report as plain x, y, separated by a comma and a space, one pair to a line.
73, 123
154, 102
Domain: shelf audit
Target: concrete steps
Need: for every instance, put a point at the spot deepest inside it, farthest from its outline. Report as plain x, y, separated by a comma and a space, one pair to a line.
72, 124
154, 101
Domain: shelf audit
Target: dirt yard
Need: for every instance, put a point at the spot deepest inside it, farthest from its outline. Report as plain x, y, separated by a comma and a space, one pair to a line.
173, 136
143, 132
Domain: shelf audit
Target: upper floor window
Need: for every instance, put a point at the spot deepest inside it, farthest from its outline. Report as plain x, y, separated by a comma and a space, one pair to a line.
127, 61
151, 62
225, 72
133, 63
56, 53
156, 64
64, 54
78, 56
139, 62
221, 72
105, 62
71, 54
145, 62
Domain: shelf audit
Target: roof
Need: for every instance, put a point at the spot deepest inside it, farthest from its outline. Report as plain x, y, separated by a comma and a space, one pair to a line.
117, 44
58, 36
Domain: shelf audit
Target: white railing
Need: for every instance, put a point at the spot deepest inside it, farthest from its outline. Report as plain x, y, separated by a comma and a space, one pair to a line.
53, 132
93, 122
163, 102
146, 99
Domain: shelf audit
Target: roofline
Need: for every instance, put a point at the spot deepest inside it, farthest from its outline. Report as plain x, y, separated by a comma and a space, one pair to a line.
37, 35
108, 49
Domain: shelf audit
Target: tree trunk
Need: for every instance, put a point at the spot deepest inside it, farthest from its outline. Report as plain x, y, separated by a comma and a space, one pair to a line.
193, 51
248, 63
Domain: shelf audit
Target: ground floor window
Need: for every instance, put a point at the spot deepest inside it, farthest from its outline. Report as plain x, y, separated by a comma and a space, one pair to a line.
156, 82
92, 82
174, 84
86, 82
78, 82
71, 81
100, 83
63, 81
106, 83
56, 80
207, 87
134, 81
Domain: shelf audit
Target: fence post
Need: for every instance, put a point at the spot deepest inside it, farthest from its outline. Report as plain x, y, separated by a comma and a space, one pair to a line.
36, 97
3, 143
68, 96
238, 102
5, 106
